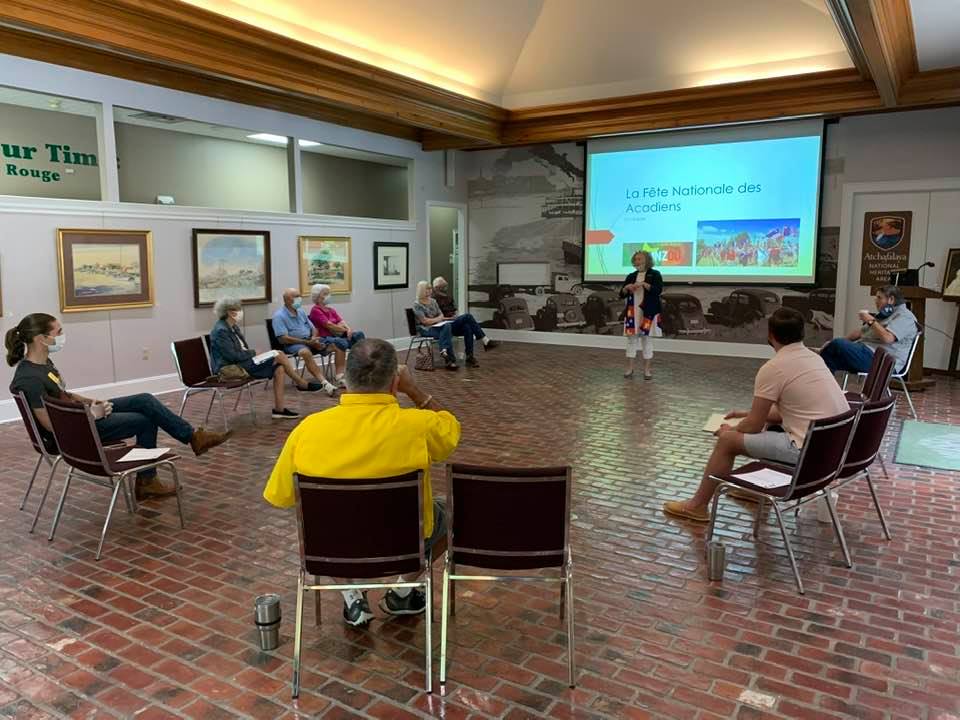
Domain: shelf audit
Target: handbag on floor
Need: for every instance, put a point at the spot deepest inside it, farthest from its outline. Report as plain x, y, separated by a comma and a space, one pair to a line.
424, 359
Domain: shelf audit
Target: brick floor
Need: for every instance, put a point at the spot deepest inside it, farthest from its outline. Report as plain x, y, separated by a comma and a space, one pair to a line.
162, 626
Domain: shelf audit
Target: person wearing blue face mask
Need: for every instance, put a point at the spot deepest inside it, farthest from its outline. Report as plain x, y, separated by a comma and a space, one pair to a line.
299, 337
29, 346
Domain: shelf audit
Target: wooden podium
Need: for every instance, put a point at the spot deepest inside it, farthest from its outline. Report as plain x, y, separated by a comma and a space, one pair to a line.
916, 298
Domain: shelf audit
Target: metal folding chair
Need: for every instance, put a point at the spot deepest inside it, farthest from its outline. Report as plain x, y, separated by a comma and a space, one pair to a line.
513, 519
47, 451
899, 376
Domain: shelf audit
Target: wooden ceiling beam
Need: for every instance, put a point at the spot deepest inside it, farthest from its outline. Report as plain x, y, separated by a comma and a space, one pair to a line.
183, 38
826, 93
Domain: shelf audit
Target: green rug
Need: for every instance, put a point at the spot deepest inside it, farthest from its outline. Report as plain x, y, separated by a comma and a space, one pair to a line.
929, 445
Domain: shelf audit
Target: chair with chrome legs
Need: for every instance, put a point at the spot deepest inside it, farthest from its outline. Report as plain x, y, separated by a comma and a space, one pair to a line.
898, 376
83, 452
509, 519
865, 448
390, 544
877, 381
47, 451
193, 367
824, 452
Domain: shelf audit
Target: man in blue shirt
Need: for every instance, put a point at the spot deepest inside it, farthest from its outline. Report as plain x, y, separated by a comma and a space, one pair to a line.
299, 337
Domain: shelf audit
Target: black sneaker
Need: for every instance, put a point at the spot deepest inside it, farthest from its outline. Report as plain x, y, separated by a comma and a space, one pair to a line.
284, 414
311, 387
359, 613
491, 345
472, 362
448, 362
413, 604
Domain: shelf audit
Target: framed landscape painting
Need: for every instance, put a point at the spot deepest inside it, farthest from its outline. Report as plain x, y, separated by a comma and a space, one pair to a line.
105, 269
325, 260
231, 263
391, 265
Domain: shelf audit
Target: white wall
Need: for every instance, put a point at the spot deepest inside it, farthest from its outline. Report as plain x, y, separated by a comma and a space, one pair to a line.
108, 347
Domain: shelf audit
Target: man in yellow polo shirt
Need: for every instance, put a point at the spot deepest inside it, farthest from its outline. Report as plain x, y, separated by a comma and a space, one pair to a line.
368, 436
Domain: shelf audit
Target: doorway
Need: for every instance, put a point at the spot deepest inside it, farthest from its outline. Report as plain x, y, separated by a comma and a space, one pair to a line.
446, 251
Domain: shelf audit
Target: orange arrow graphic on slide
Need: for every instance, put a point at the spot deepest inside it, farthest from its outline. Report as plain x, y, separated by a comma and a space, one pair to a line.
599, 237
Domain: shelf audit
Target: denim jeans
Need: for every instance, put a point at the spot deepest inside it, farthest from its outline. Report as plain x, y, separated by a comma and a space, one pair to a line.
843, 354
141, 416
443, 335
343, 343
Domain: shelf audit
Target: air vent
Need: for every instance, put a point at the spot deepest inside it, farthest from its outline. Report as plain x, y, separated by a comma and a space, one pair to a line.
158, 118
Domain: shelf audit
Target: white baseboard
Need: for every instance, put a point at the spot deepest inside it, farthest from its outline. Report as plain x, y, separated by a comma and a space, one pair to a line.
157, 385
617, 342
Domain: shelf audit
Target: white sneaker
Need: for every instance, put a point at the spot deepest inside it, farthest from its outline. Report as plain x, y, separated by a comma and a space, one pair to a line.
329, 389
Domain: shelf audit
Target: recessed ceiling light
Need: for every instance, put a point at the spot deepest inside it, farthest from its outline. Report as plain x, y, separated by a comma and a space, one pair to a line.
280, 139
54, 104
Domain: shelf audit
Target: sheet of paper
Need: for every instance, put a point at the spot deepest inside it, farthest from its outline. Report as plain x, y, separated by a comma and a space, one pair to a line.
766, 478
441, 323
144, 454
263, 357
714, 422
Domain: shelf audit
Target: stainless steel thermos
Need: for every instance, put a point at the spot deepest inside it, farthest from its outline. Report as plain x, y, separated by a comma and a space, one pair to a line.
716, 560
266, 617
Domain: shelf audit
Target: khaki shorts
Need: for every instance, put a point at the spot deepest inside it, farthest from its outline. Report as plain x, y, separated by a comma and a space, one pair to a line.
770, 445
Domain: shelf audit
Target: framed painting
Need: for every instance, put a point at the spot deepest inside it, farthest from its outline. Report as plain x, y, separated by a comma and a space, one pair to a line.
325, 260
230, 263
951, 276
105, 269
391, 265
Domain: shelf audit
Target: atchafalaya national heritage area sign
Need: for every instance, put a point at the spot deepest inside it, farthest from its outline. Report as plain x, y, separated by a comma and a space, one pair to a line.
886, 246
17, 160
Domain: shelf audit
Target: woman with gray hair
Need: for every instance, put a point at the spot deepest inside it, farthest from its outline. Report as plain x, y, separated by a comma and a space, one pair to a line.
328, 322
228, 346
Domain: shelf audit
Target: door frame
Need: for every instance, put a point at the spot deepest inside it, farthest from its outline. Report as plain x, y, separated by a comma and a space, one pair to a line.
461, 268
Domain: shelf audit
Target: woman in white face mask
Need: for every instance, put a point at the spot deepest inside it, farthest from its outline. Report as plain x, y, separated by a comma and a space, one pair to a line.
29, 346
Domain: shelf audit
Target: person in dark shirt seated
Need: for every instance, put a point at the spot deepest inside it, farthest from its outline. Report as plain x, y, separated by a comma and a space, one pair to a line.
228, 346
29, 346
441, 293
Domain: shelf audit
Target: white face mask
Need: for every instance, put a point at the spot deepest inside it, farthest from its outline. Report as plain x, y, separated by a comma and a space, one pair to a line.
59, 342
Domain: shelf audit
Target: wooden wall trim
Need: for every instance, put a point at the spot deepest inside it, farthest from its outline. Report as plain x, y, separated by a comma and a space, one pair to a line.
183, 37
894, 23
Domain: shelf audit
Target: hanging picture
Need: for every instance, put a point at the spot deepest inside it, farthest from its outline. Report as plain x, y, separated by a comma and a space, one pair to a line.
105, 269
231, 263
391, 265
325, 260
951, 276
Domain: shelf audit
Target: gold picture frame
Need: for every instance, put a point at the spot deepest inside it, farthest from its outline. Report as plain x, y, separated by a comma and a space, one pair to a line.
105, 269
325, 260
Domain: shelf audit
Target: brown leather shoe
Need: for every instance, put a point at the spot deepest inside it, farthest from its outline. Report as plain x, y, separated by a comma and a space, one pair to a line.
153, 488
202, 440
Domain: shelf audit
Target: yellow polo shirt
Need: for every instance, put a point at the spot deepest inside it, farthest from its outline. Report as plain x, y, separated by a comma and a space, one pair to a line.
366, 436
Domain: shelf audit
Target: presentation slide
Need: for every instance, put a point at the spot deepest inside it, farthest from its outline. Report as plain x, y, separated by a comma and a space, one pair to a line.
711, 210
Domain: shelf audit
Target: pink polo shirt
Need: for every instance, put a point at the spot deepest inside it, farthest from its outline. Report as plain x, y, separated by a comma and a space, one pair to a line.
321, 316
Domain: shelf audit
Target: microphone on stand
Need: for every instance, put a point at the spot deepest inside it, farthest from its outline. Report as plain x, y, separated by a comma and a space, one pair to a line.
907, 277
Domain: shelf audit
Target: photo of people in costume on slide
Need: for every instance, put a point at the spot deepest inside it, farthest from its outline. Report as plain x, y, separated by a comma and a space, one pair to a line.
748, 243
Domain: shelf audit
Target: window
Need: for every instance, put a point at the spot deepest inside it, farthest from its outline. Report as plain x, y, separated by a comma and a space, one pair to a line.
173, 160
342, 181
48, 145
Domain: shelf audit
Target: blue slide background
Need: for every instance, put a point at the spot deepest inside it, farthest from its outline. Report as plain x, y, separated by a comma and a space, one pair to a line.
788, 170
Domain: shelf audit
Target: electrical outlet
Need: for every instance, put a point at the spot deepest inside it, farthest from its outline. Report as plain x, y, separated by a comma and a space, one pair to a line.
145, 353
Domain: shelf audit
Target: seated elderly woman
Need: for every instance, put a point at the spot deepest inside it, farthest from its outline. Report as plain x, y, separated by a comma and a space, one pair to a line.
432, 323
328, 322
228, 346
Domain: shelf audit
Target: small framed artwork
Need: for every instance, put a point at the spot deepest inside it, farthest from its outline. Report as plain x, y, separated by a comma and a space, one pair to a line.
391, 265
951, 276
105, 269
230, 263
325, 260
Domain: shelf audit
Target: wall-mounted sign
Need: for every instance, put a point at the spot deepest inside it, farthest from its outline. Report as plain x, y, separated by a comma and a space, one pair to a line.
21, 160
886, 246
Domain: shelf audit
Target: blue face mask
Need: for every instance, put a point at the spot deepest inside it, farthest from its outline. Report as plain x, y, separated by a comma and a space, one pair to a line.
297, 302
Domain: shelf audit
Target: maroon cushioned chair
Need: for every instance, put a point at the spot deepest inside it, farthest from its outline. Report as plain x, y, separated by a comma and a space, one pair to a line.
823, 455
877, 381
865, 448
390, 543
193, 367
49, 455
88, 459
509, 519
901, 375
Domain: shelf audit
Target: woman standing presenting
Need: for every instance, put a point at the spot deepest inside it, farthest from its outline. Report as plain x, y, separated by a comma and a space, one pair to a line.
641, 320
